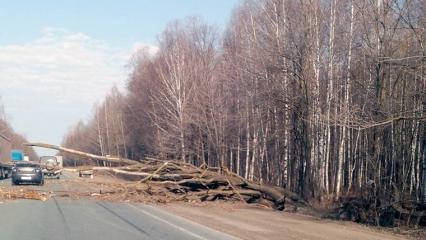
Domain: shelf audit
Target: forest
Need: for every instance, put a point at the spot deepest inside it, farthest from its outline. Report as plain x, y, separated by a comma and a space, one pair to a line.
325, 98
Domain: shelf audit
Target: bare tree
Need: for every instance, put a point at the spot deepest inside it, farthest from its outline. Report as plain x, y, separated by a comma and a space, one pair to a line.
324, 98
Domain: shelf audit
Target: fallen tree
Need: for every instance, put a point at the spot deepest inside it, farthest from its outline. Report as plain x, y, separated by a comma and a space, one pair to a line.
176, 180
83, 154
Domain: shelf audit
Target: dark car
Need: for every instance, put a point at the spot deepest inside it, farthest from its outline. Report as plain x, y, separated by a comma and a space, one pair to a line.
27, 172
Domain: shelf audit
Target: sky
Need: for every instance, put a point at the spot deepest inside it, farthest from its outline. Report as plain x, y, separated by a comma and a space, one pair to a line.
59, 58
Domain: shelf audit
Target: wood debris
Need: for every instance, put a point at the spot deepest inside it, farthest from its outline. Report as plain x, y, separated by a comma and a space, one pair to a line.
169, 180
23, 193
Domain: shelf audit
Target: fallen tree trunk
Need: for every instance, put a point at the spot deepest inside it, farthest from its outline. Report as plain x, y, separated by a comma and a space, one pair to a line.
277, 197
211, 195
134, 175
82, 154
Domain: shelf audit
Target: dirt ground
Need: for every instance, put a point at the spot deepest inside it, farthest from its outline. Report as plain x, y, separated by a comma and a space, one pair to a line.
250, 222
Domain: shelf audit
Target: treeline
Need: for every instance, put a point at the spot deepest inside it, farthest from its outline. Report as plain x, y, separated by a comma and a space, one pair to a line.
325, 98
16, 139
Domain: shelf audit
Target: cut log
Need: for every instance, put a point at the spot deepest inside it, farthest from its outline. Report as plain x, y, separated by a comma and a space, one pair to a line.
211, 195
137, 176
277, 197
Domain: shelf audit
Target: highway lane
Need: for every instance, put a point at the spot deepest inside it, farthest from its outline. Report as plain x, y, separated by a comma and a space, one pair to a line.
64, 218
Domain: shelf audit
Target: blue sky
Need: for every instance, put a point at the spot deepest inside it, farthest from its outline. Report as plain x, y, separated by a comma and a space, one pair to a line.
58, 58
118, 22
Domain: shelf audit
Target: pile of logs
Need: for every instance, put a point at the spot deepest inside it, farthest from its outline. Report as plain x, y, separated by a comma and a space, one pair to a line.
182, 181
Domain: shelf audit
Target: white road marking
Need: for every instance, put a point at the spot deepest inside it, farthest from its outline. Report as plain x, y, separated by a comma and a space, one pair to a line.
167, 222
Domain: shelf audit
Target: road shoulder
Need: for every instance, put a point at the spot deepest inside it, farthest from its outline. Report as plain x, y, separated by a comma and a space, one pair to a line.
248, 222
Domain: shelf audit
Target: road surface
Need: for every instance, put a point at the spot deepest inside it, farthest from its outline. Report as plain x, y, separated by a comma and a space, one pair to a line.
64, 218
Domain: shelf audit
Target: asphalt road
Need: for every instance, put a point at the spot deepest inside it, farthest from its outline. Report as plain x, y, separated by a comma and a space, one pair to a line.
64, 218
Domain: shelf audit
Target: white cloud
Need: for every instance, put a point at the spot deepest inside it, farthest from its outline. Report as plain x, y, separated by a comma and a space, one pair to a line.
59, 75
138, 46
71, 66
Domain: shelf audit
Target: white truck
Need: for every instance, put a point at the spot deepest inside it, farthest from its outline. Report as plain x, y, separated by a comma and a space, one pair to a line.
6, 163
52, 166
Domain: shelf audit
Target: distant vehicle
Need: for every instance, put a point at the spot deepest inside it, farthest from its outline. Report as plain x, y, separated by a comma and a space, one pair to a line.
86, 173
51, 165
28, 172
5, 157
17, 155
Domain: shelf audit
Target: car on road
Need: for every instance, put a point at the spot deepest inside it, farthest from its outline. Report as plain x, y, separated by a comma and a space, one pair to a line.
27, 172
51, 166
